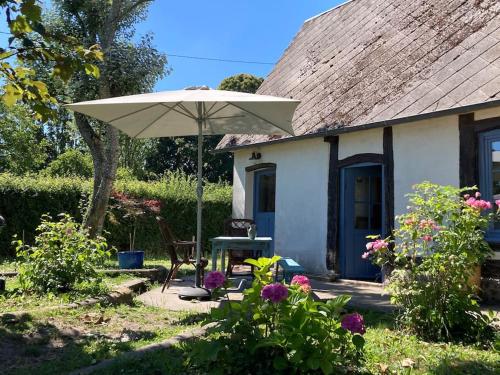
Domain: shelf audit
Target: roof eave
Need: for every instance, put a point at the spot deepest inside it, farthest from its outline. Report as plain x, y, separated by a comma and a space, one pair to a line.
372, 125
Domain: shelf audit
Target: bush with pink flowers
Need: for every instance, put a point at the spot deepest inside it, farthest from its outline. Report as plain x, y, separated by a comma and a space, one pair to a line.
280, 328
437, 246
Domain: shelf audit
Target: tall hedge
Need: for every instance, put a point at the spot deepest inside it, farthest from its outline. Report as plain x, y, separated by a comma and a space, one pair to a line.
23, 200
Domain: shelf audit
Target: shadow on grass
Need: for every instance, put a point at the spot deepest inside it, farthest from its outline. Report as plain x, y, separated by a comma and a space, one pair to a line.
376, 319
31, 347
464, 367
191, 319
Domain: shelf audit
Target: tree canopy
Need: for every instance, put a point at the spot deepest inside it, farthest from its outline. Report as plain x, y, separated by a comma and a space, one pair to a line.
241, 82
31, 41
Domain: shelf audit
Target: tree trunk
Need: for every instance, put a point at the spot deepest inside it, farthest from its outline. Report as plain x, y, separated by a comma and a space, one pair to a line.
105, 146
104, 177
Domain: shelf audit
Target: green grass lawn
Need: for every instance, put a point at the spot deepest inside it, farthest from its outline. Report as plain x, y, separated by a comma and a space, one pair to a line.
14, 300
59, 341
387, 351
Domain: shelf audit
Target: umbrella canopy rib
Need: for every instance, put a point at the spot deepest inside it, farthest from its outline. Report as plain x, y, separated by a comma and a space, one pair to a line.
155, 120
187, 110
188, 115
132, 113
220, 109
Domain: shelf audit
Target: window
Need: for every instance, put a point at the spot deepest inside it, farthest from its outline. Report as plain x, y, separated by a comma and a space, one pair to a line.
489, 173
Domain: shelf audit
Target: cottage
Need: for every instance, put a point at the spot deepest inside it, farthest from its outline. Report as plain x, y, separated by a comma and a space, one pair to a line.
392, 93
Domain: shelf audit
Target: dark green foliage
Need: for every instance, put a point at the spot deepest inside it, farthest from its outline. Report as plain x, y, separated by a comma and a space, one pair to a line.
181, 153
293, 335
242, 83
63, 255
71, 163
23, 200
23, 148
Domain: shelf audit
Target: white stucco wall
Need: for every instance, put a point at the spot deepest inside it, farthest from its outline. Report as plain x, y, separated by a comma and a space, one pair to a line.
365, 141
424, 151
301, 197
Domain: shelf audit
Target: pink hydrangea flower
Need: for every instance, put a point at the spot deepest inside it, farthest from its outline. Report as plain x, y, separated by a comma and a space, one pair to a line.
374, 246
478, 195
303, 281
427, 238
466, 196
479, 204
275, 293
354, 323
380, 244
497, 202
300, 280
410, 221
214, 280
429, 223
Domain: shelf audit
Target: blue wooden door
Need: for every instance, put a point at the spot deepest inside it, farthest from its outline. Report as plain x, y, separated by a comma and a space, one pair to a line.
264, 202
361, 210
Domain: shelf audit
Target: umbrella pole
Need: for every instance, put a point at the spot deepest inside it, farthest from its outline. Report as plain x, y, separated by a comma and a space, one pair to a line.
199, 192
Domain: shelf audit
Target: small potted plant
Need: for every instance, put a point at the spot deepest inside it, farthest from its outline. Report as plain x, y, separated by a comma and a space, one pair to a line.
134, 210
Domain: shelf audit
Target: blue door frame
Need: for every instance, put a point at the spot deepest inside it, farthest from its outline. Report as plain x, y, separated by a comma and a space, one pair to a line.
361, 214
264, 197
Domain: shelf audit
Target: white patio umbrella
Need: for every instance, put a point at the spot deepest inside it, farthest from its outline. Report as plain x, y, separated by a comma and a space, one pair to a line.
193, 111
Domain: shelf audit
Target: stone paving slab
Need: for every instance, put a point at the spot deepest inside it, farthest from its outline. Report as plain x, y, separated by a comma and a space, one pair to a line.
363, 295
170, 300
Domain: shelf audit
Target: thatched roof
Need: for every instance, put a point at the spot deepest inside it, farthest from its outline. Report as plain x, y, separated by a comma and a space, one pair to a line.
375, 60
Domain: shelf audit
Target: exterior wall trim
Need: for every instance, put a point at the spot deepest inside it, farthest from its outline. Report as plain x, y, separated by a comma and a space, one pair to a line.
256, 167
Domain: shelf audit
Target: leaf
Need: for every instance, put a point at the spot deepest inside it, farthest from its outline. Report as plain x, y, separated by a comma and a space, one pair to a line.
253, 262
32, 11
280, 363
313, 363
408, 362
358, 341
92, 70
326, 367
11, 95
20, 25
383, 368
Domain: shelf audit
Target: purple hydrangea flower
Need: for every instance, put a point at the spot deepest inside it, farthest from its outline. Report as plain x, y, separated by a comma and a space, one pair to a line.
354, 323
276, 292
214, 280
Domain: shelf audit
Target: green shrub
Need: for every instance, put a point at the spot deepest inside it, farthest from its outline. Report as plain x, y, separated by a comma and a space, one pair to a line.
23, 200
71, 163
63, 255
439, 244
279, 328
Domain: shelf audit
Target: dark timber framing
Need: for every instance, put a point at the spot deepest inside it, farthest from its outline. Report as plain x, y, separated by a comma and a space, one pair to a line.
469, 129
386, 159
256, 167
332, 237
388, 180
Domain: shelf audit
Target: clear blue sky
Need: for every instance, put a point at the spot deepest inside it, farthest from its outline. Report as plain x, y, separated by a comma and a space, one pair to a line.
250, 30
256, 30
